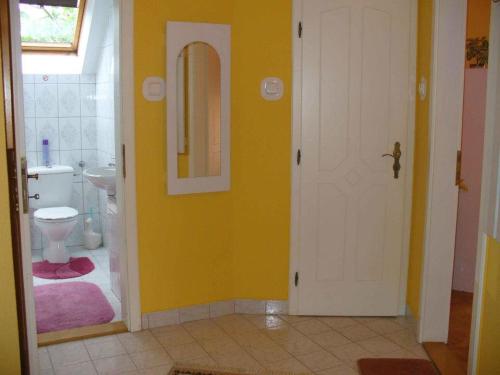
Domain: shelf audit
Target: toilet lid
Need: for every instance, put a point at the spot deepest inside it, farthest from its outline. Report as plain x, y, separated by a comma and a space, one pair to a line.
55, 213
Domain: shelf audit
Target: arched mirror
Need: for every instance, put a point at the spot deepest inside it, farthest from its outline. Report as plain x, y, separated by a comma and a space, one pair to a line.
198, 79
198, 111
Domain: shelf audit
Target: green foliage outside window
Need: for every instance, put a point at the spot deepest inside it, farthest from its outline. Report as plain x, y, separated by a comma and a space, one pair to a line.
48, 24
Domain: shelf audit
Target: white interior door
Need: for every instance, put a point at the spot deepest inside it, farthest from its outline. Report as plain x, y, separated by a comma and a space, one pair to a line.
355, 106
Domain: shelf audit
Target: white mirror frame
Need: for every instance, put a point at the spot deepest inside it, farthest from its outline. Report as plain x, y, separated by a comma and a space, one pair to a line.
179, 35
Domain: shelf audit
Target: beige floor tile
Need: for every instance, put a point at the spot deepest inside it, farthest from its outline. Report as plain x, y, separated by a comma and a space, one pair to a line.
295, 318
384, 326
301, 346
174, 337
44, 359
242, 361
68, 354
311, 327
85, 368
379, 346
366, 319
268, 354
350, 353
138, 341
185, 352
111, 347
405, 339
151, 358
419, 352
205, 360
288, 365
330, 339
221, 346
338, 321
357, 332
234, 324
283, 334
252, 339
204, 329
339, 370
266, 321
318, 361
114, 365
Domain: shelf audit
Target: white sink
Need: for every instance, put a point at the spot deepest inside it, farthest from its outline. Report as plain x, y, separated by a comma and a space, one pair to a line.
102, 177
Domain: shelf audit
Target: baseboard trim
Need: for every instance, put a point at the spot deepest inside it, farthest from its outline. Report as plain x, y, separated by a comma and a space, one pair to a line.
213, 310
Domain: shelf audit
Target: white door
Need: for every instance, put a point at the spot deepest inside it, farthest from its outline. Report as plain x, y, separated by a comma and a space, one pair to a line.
355, 102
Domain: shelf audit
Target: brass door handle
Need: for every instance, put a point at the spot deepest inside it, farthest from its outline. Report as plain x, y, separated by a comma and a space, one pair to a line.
396, 155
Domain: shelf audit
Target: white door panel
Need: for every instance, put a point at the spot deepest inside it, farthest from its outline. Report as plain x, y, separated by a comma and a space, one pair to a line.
355, 96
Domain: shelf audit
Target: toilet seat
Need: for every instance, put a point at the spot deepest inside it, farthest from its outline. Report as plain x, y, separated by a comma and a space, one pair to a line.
55, 214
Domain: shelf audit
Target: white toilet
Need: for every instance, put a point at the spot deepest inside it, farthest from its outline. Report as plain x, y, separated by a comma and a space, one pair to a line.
55, 220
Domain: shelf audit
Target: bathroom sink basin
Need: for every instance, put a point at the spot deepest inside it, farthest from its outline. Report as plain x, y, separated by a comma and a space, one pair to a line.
102, 177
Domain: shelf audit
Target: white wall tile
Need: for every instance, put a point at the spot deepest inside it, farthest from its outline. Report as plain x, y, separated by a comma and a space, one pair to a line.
276, 307
29, 99
90, 198
89, 133
68, 78
73, 159
88, 99
198, 312
32, 159
28, 78
87, 78
47, 128
77, 197
90, 158
221, 308
45, 78
163, 318
69, 99
53, 155
30, 134
70, 134
46, 100
249, 306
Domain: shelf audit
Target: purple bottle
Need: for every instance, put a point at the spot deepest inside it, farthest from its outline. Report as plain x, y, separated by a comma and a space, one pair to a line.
45, 153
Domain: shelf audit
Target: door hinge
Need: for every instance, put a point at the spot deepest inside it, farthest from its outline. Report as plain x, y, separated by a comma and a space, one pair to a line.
300, 29
299, 156
296, 281
124, 165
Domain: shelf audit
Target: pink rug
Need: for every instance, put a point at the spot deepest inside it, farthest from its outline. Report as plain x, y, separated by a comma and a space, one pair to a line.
76, 267
67, 305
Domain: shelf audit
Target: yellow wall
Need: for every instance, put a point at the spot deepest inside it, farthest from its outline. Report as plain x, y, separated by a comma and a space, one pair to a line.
206, 247
478, 18
421, 157
9, 342
489, 360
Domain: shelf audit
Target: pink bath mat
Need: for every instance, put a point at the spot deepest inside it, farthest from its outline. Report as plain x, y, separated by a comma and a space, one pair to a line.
76, 267
67, 305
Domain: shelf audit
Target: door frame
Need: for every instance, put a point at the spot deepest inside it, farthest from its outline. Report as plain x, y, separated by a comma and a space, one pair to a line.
127, 131
489, 183
445, 127
293, 293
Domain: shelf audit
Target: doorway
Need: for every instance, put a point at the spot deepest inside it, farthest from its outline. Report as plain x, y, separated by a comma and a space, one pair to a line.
78, 242
352, 174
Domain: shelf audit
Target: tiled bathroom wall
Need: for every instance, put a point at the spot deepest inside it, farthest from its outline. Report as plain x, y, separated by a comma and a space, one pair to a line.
62, 109
105, 112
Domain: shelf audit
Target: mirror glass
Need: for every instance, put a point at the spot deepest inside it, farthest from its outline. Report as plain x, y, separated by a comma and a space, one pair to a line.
198, 111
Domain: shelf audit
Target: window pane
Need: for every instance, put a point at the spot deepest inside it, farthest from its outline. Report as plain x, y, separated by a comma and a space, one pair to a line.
48, 24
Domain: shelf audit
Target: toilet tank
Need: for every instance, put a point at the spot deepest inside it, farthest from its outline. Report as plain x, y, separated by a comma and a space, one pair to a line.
54, 186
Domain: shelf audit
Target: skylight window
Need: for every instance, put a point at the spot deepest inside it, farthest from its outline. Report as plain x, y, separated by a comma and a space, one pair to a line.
51, 25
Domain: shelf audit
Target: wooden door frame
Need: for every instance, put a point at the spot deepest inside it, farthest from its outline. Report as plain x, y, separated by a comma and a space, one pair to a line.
132, 319
293, 294
7, 88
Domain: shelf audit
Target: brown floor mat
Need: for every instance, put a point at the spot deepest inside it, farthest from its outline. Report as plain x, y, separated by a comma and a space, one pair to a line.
396, 366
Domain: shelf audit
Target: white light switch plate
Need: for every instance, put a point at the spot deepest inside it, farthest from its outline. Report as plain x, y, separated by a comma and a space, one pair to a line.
153, 89
271, 88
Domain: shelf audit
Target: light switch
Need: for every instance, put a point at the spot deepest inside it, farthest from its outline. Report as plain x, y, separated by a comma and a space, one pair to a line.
153, 89
271, 88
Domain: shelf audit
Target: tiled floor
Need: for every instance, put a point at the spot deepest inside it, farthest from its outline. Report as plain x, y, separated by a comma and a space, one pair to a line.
323, 346
99, 276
